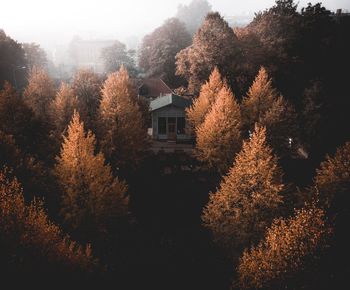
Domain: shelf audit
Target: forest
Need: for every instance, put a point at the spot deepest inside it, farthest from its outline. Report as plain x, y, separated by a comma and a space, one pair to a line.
261, 203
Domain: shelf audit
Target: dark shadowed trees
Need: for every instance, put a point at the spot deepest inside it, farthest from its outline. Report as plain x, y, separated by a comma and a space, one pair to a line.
19, 121
12, 61
86, 86
158, 51
30, 241
333, 178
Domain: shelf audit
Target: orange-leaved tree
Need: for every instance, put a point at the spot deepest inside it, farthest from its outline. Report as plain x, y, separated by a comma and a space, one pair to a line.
219, 137
93, 199
248, 198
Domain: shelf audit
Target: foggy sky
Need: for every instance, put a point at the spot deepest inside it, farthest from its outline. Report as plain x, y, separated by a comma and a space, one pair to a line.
53, 22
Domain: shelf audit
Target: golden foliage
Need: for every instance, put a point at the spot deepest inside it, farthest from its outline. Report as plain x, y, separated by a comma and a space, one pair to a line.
263, 105
248, 198
93, 198
39, 92
333, 176
201, 105
218, 137
289, 245
259, 99
62, 107
121, 124
28, 227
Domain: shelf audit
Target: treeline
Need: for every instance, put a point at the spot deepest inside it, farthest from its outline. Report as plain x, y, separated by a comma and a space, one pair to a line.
47, 145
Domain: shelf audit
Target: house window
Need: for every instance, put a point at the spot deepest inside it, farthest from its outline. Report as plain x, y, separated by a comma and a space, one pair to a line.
161, 125
181, 125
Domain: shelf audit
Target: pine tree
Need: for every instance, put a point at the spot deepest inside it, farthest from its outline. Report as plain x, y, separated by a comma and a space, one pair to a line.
333, 178
218, 137
248, 198
259, 100
62, 107
39, 92
263, 105
121, 125
28, 237
93, 198
200, 107
288, 245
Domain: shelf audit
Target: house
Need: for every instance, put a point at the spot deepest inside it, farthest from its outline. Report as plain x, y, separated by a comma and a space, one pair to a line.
154, 88
168, 118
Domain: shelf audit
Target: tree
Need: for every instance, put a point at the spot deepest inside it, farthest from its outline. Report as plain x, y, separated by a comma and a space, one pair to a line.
248, 198
39, 92
263, 105
193, 14
116, 55
214, 45
19, 121
62, 108
87, 85
29, 238
289, 246
333, 178
158, 51
12, 61
93, 199
207, 96
218, 137
123, 133
35, 56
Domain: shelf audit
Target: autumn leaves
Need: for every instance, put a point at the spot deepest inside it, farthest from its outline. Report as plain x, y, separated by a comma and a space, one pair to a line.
245, 213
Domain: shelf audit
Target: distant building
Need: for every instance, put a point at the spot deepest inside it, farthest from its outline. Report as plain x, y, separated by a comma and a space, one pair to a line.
154, 88
168, 118
87, 53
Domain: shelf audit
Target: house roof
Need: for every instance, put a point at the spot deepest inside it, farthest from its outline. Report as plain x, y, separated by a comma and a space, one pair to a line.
167, 100
154, 88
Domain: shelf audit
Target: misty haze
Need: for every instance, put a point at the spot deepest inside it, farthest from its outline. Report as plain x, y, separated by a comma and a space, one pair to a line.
186, 144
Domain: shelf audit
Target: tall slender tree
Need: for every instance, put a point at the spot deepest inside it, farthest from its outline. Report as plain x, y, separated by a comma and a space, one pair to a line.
218, 137
62, 107
248, 198
122, 129
265, 106
93, 199
201, 105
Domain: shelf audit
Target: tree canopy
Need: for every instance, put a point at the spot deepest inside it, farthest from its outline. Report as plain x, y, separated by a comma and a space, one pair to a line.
159, 48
